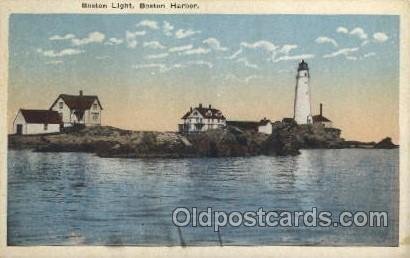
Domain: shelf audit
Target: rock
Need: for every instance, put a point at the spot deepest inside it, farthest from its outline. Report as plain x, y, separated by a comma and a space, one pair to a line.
386, 143
286, 139
113, 142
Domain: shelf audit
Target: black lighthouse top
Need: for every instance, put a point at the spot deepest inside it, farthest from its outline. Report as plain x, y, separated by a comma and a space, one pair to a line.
303, 66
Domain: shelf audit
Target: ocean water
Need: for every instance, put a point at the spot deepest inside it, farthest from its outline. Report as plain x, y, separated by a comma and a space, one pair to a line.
81, 199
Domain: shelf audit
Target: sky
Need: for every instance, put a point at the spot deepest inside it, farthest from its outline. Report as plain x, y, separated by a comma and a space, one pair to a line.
148, 70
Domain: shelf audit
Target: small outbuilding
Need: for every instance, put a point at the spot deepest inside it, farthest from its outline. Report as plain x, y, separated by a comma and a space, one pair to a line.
321, 119
263, 126
34, 121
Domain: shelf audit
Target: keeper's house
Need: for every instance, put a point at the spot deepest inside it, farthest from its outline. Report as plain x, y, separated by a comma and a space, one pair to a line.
78, 109
34, 121
200, 119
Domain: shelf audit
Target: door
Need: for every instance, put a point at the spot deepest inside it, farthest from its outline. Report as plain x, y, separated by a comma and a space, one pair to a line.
19, 129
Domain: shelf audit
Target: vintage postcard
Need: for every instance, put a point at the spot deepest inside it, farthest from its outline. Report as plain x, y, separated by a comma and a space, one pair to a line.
204, 124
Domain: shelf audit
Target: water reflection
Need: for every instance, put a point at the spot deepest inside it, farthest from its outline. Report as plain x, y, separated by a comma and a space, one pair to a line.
77, 198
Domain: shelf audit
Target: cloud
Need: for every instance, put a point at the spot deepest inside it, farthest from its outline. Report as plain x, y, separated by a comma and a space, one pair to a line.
157, 56
65, 37
295, 57
165, 68
114, 41
344, 51
234, 55
93, 37
154, 45
269, 47
167, 28
181, 33
102, 57
176, 66
147, 66
232, 77
55, 62
342, 30
272, 49
364, 43
162, 67
149, 24
180, 48
245, 61
369, 54
323, 39
214, 44
131, 38
201, 62
285, 49
139, 32
263, 44
351, 58
359, 32
380, 37
251, 77
64, 52
196, 51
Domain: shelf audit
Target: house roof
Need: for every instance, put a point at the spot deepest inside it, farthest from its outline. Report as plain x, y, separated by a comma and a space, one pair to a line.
320, 118
206, 113
35, 116
246, 125
78, 102
264, 121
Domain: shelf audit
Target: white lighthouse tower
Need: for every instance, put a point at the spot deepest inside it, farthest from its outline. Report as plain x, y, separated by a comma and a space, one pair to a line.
302, 113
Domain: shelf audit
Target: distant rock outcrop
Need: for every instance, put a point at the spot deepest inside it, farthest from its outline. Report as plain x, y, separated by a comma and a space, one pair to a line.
386, 143
309, 136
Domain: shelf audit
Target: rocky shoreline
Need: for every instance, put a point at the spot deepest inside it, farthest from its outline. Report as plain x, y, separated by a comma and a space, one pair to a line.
106, 141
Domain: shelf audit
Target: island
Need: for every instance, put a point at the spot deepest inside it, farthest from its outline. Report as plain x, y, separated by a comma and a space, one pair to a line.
287, 138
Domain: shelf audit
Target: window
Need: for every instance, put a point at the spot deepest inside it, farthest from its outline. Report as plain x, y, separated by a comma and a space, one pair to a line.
45, 127
95, 106
61, 105
95, 116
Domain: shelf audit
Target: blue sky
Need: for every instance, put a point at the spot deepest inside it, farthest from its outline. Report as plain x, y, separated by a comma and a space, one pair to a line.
220, 59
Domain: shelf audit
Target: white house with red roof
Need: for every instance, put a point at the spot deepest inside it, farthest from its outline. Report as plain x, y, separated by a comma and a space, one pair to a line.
35, 121
78, 109
322, 120
200, 119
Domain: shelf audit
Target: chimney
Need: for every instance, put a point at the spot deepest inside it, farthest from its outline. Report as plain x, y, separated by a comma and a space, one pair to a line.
200, 105
190, 109
321, 109
81, 92
210, 106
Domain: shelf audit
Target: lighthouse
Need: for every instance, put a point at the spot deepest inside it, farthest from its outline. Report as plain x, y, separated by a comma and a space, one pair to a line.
302, 113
